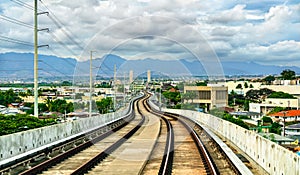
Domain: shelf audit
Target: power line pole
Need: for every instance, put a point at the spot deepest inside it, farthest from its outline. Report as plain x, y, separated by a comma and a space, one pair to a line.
36, 46
36, 108
91, 81
115, 81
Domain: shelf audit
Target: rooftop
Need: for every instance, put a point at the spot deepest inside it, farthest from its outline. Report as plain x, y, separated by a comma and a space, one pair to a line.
294, 126
290, 113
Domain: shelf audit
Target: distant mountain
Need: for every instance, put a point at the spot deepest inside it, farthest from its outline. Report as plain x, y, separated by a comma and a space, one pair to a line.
20, 65
252, 68
240, 68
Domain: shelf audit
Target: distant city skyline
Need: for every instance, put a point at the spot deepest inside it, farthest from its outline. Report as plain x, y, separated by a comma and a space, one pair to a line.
262, 31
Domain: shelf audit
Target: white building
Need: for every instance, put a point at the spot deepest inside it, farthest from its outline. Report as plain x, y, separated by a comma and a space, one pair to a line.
270, 103
233, 84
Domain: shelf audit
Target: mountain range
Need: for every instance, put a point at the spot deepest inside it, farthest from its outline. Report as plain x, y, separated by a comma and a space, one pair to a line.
20, 65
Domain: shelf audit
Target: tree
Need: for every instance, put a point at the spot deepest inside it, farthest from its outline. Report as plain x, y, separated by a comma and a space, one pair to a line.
104, 105
8, 97
251, 86
275, 128
239, 86
246, 105
269, 79
245, 85
172, 96
276, 109
267, 120
281, 95
288, 74
258, 95
189, 95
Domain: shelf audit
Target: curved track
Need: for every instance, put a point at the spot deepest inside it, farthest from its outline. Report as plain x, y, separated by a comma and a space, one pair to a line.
67, 162
176, 148
184, 151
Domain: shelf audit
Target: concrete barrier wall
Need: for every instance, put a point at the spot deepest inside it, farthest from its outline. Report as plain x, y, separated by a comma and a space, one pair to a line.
272, 157
18, 143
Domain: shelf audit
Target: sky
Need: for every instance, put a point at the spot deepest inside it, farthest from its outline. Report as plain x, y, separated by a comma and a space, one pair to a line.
262, 31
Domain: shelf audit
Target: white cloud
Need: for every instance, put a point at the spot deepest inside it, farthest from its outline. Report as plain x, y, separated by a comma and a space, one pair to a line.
254, 30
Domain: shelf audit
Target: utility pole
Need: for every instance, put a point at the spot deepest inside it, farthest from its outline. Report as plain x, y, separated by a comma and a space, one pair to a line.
35, 60
115, 80
124, 89
91, 82
36, 108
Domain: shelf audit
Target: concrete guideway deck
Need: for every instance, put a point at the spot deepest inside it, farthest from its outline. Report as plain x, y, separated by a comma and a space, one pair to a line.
132, 156
72, 163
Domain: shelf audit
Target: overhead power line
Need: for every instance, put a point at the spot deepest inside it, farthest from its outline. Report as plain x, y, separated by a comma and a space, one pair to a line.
15, 21
21, 3
52, 67
60, 25
16, 41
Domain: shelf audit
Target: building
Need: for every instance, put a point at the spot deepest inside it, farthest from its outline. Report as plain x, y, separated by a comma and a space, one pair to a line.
290, 89
208, 97
286, 116
270, 103
130, 76
148, 76
293, 131
232, 86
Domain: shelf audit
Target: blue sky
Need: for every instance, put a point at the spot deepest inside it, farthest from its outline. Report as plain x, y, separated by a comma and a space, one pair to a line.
263, 31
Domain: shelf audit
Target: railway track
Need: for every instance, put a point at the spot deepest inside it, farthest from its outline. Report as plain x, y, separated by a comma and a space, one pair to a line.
179, 147
71, 161
184, 152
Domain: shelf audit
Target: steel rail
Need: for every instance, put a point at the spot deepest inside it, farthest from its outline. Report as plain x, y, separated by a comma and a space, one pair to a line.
84, 168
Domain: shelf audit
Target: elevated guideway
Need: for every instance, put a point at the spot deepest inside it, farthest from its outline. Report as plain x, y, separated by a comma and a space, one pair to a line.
271, 157
24, 145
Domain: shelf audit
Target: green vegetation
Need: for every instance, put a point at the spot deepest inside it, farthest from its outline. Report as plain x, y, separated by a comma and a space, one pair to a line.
267, 120
226, 116
269, 79
20, 122
189, 95
217, 112
202, 83
103, 85
237, 99
237, 121
104, 105
276, 109
173, 97
7, 97
239, 86
27, 85
53, 106
258, 95
288, 74
281, 95
275, 128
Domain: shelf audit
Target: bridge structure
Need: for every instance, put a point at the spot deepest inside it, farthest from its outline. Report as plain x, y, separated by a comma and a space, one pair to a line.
23, 147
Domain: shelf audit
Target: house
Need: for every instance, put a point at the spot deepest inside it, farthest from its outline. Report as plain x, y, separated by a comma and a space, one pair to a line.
286, 116
252, 115
14, 105
2, 108
277, 138
270, 103
293, 131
